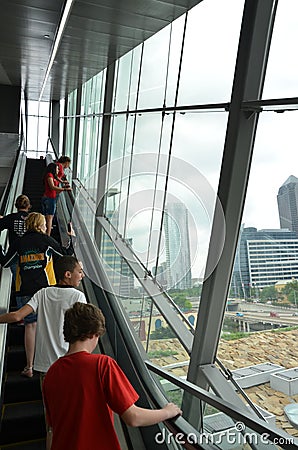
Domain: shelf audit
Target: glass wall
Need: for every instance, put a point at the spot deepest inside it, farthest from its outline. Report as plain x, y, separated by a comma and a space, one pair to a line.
70, 126
166, 138
90, 132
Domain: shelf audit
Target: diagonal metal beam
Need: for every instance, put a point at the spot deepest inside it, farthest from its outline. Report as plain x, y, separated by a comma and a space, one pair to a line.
162, 302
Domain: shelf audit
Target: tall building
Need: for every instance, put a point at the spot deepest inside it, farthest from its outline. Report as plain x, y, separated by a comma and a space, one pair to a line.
177, 247
287, 200
117, 270
264, 257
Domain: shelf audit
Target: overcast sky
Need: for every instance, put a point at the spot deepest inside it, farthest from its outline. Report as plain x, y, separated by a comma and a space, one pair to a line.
209, 72
275, 155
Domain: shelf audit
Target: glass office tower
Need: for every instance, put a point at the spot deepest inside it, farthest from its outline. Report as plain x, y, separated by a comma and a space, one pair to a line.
287, 199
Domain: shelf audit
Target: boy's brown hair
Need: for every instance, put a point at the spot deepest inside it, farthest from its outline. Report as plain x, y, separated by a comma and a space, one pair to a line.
22, 202
64, 159
64, 264
82, 321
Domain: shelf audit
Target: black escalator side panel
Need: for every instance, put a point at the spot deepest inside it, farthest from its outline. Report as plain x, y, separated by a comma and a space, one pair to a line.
22, 415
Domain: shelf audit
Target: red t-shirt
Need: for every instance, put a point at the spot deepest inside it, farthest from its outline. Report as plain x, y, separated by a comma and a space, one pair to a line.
61, 173
48, 192
81, 391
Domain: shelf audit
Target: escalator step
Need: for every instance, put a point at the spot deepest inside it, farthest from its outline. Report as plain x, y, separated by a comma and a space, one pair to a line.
21, 389
16, 335
39, 444
22, 422
16, 358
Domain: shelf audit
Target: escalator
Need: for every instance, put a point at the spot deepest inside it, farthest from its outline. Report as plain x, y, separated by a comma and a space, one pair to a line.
33, 184
22, 418
22, 421
22, 424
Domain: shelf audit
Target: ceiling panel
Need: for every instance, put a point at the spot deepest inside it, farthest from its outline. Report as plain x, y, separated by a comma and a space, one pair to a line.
97, 32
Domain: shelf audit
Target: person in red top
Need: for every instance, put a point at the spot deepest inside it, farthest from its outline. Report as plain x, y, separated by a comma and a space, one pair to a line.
49, 199
63, 163
81, 390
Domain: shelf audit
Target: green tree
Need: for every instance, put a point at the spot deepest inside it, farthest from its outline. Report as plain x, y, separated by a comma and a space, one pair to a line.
291, 291
293, 285
268, 293
182, 302
162, 333
293, 297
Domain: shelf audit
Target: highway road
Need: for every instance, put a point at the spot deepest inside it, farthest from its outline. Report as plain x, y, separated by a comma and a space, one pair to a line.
284, 318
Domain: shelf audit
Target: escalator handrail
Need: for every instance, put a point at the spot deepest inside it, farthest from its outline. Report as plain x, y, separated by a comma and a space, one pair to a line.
16, 186
53, 147
251, 421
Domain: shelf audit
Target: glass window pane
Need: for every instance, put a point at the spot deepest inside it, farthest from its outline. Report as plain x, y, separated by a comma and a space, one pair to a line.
153, 82
119, 170
266, 262
38, 127
71, 111
174, 60
134, 77
273, 156
121, 88
210, 51
282, 69
193, 180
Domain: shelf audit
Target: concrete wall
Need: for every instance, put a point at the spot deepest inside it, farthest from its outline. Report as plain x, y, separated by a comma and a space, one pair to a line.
10, 97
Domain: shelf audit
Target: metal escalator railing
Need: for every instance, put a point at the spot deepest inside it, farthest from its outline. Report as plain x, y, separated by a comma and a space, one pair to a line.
248, 427
13, 190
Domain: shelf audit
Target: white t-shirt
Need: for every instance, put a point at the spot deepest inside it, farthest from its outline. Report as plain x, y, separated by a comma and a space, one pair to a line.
51, 303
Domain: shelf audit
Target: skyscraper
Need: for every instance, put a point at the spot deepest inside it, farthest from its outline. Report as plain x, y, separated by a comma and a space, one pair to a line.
117, 270
264, 257
287, 200
177, 246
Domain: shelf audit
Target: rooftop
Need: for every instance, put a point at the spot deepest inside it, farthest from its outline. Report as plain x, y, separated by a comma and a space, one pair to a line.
277, 347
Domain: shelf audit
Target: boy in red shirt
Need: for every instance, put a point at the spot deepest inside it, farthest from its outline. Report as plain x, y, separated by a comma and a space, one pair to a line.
81, 390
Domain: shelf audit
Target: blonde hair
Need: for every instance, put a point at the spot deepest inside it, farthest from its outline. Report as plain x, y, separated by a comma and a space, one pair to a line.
34, 222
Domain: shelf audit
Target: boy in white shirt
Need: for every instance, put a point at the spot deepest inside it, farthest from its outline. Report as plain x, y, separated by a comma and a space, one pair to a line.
50, 303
